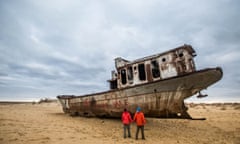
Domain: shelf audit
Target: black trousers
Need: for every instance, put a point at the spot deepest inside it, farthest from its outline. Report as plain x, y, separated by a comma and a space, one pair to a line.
126, 127
142, 131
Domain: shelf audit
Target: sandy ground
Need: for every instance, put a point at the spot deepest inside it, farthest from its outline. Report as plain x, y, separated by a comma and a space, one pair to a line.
46, 123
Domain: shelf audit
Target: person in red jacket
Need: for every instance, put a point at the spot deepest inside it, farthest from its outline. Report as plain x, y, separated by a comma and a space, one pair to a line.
140, 121
126, 120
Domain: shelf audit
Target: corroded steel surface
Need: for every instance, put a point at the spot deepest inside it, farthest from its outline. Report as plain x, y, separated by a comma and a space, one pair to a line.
158, 99
168, 78
172, 63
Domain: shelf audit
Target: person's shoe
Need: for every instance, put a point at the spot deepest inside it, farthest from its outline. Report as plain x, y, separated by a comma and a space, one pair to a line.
143, 139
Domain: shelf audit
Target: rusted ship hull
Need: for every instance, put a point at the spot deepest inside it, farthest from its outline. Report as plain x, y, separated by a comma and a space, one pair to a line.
162, 98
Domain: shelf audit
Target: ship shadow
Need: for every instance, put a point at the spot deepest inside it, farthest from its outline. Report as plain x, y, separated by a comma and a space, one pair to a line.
132, 115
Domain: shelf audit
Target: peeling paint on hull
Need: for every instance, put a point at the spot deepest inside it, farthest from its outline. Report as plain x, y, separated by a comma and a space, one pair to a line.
161, 98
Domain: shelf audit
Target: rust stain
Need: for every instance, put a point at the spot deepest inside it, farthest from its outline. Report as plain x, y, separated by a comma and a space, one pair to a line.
158, 83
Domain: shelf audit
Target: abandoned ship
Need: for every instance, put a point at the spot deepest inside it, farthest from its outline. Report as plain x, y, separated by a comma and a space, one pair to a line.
159, 84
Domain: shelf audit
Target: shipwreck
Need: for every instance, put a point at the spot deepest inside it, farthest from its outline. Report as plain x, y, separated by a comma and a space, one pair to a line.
159, 84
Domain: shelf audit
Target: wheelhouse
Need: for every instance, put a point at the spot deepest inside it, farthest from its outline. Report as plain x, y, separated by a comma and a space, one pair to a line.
161, 66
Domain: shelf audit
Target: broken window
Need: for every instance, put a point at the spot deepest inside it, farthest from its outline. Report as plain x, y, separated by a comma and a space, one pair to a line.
130, 73
155, 69
163, 59
123, 76
141, 70
113, 84
181, 55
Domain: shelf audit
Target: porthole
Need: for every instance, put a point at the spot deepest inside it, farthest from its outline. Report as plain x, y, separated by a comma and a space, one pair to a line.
181, 55
163, 59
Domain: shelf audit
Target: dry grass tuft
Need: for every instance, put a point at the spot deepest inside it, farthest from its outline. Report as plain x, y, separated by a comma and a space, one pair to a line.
223, 108
237, 107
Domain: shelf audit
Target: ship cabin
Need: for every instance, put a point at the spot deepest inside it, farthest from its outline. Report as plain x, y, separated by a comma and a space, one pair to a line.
175, 62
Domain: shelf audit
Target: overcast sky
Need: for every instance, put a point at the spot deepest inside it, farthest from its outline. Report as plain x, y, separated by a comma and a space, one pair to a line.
53, 47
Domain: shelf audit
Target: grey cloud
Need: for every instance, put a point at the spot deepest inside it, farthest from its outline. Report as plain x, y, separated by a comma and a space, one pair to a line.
61, 47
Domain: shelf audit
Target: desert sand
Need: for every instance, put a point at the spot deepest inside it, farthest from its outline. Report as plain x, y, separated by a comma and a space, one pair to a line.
45, 123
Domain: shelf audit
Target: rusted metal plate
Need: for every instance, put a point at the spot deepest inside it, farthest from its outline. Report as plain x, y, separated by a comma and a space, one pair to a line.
159, 84
157, 99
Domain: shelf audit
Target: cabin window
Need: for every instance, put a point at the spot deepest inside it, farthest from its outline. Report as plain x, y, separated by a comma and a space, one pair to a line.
113, 84
163, 59
141, 70
155, 69
181, 55
130, 73
123, 76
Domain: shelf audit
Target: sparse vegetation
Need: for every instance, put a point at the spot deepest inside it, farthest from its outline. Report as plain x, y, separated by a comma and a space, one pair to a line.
220, 106
223, 108
192, 105
237, 107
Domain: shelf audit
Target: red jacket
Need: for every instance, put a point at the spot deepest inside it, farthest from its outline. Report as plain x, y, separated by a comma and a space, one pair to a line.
139, 118
126, 118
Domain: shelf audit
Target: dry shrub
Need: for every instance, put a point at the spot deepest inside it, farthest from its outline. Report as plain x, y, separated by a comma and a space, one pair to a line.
218, 104
192, 105
203, 105
223, 108
237, 107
